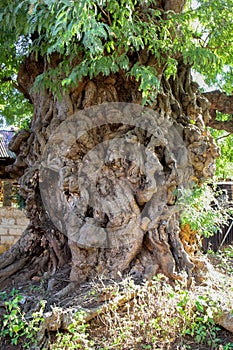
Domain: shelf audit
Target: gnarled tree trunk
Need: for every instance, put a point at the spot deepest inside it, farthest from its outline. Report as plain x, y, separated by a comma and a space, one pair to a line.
136, 192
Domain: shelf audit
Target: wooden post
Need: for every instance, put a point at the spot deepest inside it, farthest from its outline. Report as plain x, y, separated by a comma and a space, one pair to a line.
1, 192
7, 193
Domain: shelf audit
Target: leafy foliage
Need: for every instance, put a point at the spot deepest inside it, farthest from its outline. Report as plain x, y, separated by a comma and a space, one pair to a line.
14, 108
154, 315
99, 36
202, 210
14, 324
224, 164
216, 25
149, 315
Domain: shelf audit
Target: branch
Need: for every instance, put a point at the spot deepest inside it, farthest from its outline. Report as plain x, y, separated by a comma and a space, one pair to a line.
16, 86
223, 137
22, 91
219, 125
220, 101
5, 80
177, 6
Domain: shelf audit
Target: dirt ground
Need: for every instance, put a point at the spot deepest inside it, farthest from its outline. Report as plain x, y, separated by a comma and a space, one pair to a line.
43, 287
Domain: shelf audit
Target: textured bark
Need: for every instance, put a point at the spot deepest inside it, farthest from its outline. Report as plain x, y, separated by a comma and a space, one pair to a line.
176, 6
158, 247
171, 5
223, 103
222, 125
220, 101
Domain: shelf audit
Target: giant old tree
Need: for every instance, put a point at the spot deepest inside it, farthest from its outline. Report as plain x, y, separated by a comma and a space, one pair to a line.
76, 58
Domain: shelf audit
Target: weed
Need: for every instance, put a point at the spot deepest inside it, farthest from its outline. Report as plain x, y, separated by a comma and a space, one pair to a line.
202, 210
225, 257
14, 323
76, 337
153, 315
200, 322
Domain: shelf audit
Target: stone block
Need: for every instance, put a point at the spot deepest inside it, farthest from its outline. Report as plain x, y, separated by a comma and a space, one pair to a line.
4, 230
8, 221
23, 221
9, 240
16, 231
4, 248
7, 212
11, 212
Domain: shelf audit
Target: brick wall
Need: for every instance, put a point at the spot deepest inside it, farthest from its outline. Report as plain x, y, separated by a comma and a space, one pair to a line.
12, 224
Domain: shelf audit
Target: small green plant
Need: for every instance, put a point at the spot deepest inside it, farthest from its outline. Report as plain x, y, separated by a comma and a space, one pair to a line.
228, 346
152, 315
200, 322
76, 337
202, 210
14, 324
224, 256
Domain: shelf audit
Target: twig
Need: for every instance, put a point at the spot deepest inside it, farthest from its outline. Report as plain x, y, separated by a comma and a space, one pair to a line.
224, 238
222, 137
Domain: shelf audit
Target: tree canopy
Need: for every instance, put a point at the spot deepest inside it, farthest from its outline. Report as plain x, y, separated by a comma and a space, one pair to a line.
100, 36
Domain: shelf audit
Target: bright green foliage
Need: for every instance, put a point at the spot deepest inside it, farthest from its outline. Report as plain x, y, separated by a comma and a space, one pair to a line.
15, 325
200, 323
14, 108
202, 210
76, 337
224, 164
100, 36
210, 40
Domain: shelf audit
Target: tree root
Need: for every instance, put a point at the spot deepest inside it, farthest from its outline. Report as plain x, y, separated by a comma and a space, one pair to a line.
66, 290
60, 318
225, 320
13, 268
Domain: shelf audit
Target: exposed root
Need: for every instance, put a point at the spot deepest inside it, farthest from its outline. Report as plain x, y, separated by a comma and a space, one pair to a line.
13, 268
59, 318
65, 291
20, 250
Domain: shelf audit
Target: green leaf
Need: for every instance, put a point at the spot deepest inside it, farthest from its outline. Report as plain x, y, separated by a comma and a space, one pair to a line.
199, 306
